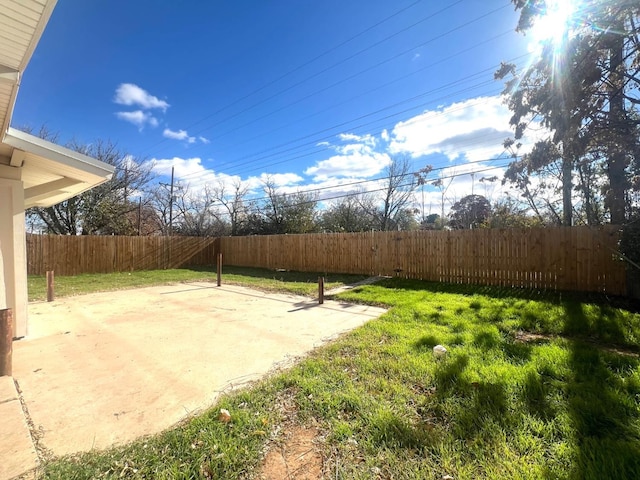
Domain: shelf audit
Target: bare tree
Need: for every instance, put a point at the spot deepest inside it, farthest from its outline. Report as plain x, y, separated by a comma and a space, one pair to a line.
233, 200
400, 184
105, 209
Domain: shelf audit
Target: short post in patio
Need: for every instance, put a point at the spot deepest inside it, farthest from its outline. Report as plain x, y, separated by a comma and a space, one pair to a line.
219, 269
50, 286
320, 290
6, 342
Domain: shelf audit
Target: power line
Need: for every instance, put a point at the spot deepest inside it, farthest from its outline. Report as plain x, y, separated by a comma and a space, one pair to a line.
256, 209
235, 129
291, 144
351, 77
379, 87
379, 179
301, 66
459, 27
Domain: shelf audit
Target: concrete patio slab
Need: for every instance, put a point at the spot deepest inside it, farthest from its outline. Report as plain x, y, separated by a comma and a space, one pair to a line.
106, 368
17, 452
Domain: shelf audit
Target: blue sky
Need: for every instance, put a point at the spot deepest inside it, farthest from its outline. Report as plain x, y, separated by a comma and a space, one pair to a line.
314, 94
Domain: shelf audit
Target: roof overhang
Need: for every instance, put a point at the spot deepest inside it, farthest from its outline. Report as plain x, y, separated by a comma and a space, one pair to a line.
51, 173
22, 23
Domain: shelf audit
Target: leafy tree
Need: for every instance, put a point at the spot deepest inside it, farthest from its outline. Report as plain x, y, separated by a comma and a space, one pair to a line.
349, 215
431, 222
507, 213
584, 89
406, 220
471, 211
286, 213
540, 194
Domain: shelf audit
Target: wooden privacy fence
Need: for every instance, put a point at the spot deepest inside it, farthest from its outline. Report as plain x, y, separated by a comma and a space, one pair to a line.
562, 258
71, 255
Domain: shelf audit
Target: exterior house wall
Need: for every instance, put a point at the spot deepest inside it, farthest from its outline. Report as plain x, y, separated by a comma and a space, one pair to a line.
13, 262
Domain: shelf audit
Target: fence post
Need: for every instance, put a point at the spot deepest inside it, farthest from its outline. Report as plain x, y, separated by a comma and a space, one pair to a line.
320, 290
6, 342
50, 286
219, 269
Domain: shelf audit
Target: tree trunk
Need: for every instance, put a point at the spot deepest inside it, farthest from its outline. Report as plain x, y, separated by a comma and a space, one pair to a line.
567, 189
617, 156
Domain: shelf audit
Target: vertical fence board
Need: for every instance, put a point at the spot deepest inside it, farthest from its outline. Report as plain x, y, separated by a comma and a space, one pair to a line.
561, 258
72, 255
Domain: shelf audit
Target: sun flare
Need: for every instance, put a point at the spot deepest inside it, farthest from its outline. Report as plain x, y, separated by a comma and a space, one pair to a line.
553, 24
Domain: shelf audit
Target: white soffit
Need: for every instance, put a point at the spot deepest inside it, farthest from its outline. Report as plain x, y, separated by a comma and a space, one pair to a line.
51, 173
21, 25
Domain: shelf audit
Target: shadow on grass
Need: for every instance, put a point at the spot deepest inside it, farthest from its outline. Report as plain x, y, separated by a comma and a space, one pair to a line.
536, 394
393, 431
288, 276
604, 325
602, 397
518, 352
427, 342
555, 297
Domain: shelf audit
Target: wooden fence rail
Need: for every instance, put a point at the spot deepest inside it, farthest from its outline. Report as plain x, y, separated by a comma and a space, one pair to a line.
563, 258
72, 255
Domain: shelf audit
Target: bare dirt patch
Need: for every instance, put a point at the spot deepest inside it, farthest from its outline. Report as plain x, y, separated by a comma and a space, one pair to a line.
295, 449
297, 457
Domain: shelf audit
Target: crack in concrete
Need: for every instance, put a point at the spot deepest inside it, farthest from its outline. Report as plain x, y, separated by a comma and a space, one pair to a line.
36, 434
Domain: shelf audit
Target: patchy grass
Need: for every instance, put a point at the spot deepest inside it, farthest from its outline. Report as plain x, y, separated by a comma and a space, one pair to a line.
562, 405
300, 283
269, 280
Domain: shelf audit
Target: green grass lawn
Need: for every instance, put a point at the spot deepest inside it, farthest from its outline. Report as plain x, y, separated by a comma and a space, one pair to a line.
270, 280
534, 386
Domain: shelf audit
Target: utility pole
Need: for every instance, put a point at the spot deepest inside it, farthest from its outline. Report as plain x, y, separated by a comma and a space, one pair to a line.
423, 203
126, 183
139, 214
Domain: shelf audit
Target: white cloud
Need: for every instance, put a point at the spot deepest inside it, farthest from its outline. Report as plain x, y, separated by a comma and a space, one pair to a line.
367, 139
350, 165
385, 135
183, 135
131, 94
354, 160
179, 135
184, 167
284, 182
474, 128
280, 179
138, 118
191, 173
